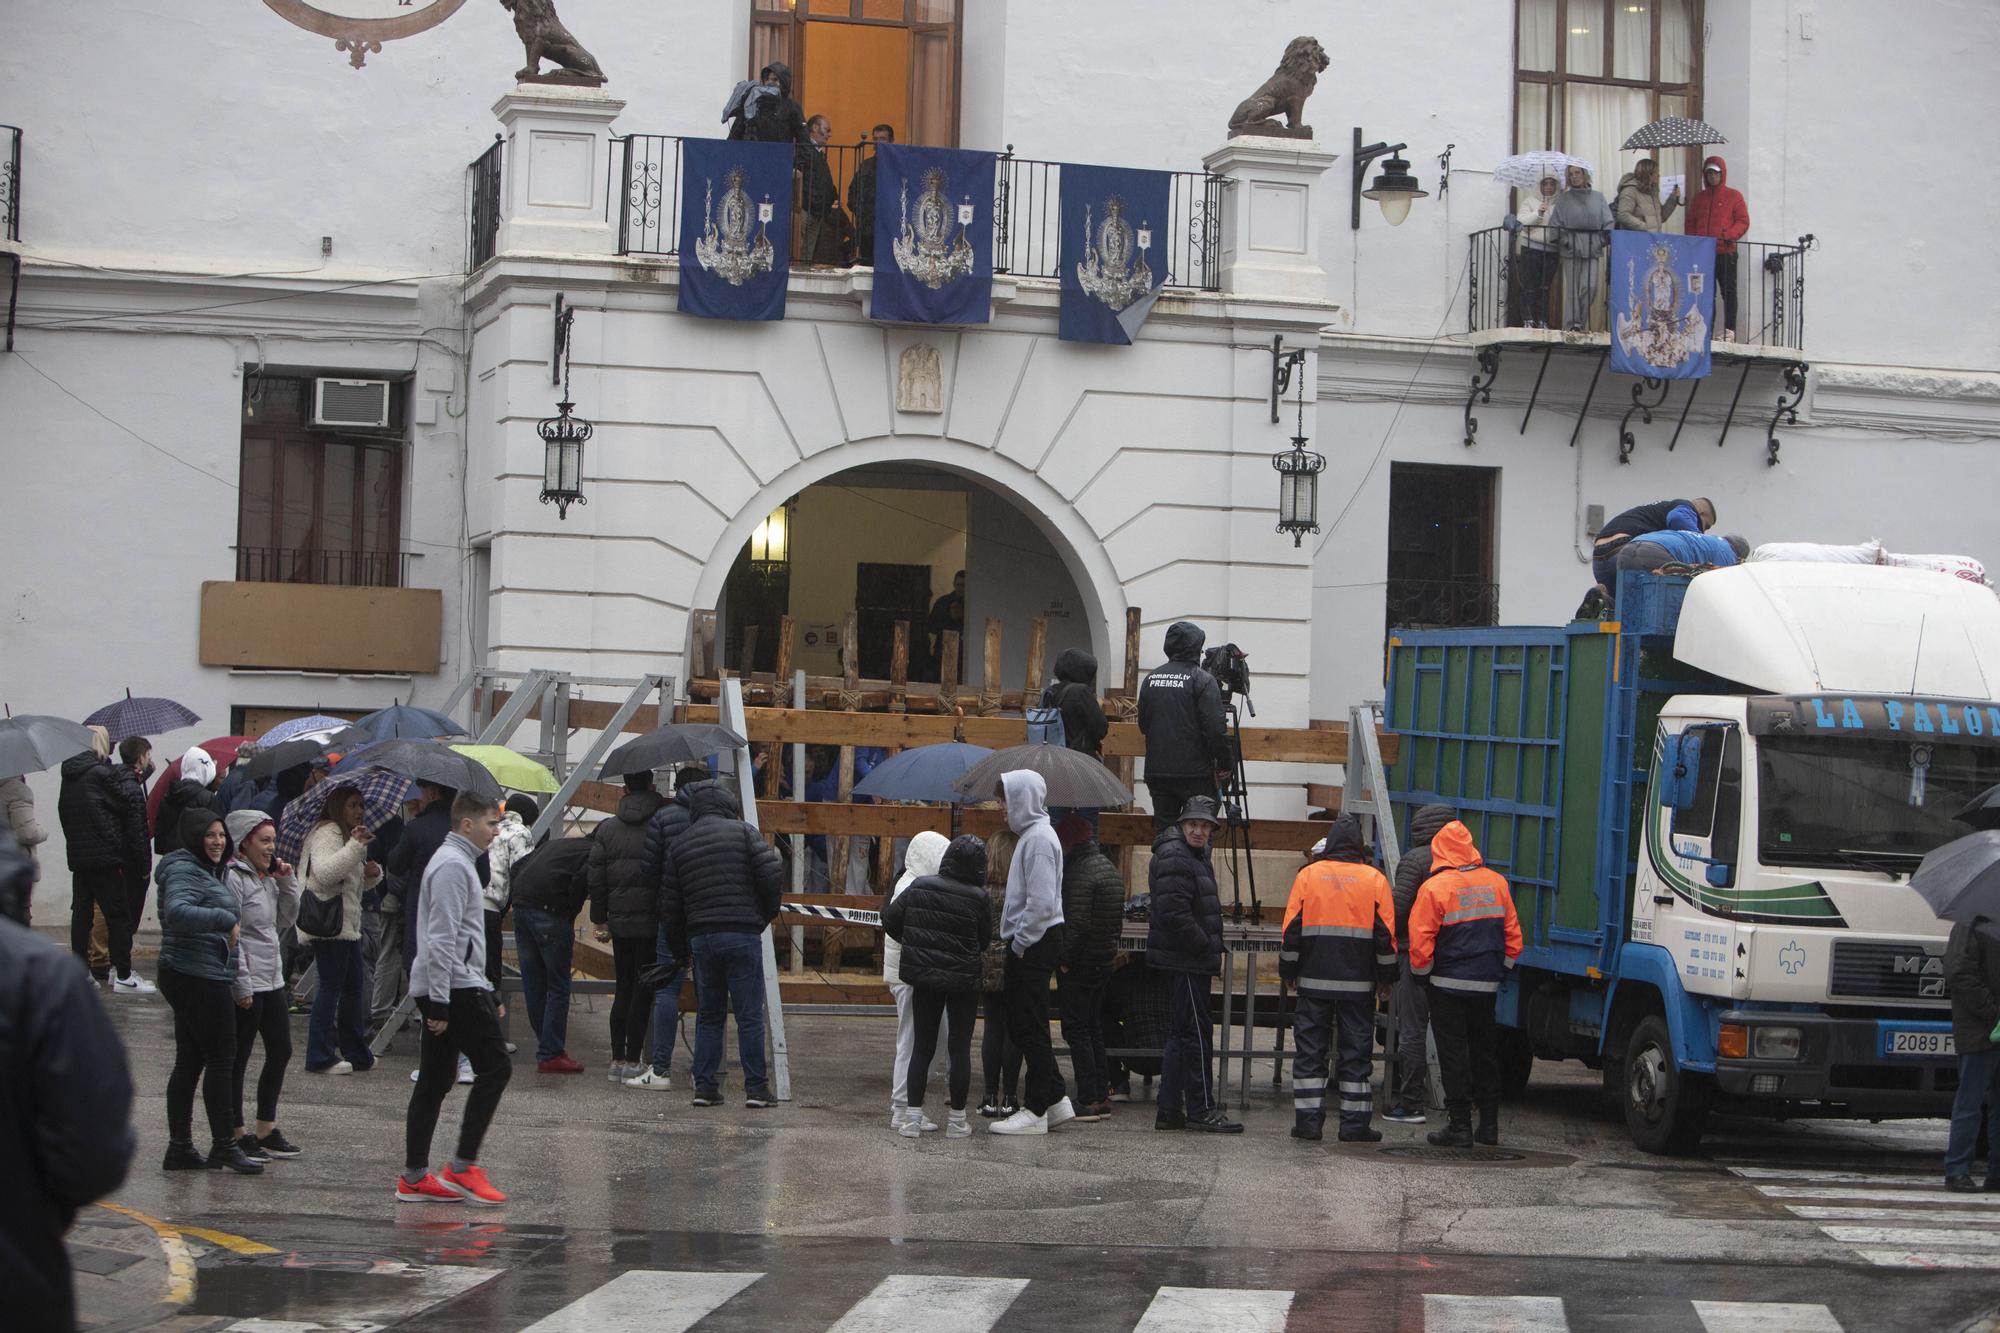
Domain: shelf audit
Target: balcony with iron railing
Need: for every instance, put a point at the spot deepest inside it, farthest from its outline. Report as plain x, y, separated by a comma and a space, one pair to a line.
340, 569
1441, 603
10, 183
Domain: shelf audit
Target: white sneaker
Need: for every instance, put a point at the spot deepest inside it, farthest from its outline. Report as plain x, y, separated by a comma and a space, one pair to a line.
957, 1126
134, 985
464, 1070
511, 1047
652, 1081
415, 1074
341, 1067
1022, 1121
1061, 1112
909, 1127
925, 1125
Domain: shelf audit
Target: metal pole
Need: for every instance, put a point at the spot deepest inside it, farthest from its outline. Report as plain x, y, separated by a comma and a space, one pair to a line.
746, 783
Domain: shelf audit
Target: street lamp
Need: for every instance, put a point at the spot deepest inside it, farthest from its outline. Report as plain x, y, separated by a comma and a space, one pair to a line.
1298, 476
563, 435
1394, 188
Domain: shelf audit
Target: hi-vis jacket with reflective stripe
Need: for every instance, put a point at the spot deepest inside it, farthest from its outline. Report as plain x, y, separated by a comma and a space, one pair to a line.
1340, 932
1463, 931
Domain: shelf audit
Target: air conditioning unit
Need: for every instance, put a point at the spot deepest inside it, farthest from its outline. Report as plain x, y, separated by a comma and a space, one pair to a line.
354, 403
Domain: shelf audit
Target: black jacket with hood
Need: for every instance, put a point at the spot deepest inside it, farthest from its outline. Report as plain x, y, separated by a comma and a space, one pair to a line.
553, 878
66, 1135
620, 893
92, 816
1184, 930
1415, 866
720, 874
668, 822
1093, 912
1972, 972
942, 921
780, 119
1074, 692
1180, 713
183, 796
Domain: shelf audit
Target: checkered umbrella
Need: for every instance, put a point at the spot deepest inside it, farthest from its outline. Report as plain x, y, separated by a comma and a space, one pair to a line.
311, 725
143, 716
1526, 170
381, 797
1675, 132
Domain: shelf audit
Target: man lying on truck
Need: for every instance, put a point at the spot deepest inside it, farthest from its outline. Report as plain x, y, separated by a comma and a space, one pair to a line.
1656, 551
1697, 515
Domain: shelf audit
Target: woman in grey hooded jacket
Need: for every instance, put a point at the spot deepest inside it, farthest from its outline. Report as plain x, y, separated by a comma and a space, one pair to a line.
1583, 225
268, 895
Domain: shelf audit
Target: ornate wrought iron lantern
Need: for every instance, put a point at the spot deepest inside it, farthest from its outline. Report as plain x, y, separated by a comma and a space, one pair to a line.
563, 436
771, 541
1298, 476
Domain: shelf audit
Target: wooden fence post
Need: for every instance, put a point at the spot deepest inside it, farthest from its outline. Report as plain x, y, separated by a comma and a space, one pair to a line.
1038, 649
989, 699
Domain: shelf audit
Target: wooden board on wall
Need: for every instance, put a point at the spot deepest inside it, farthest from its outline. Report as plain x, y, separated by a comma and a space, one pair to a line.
308, 627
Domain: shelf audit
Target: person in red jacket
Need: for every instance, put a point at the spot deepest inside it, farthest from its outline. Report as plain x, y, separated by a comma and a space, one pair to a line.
1718, 211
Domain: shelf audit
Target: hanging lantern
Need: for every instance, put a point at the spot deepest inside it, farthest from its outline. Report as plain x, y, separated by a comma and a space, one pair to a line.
771, 541
563, 438
1298, 489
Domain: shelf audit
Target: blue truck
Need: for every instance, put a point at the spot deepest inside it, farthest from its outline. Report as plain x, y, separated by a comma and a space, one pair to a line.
1709, 808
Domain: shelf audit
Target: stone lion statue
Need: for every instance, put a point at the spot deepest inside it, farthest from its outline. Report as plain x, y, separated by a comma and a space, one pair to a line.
1284, 93
545, 38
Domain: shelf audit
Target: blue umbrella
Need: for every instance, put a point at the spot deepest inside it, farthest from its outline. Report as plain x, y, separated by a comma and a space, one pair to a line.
141, 717
381, 799
301, 726
925, 773
399, 722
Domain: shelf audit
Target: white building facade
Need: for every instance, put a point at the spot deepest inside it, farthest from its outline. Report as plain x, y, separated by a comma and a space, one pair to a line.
195, 246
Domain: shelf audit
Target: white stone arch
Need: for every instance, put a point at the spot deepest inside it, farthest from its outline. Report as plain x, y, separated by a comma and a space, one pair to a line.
1075, 541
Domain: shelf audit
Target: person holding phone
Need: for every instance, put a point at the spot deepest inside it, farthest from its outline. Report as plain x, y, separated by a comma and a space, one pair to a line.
336, 865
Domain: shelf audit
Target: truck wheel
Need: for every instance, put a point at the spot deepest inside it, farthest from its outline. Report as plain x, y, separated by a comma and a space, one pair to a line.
1665, 1107
1517, 1059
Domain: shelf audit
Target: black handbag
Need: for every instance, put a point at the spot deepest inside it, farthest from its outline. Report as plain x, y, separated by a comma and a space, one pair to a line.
320, 918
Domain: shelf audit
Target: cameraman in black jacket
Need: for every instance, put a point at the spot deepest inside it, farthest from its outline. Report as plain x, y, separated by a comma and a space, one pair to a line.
1180, 715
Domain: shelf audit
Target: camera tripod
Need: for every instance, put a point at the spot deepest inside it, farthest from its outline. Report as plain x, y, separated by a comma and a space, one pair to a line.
1234, 790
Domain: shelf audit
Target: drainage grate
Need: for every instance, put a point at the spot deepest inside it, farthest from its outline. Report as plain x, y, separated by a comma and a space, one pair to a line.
1464, 1156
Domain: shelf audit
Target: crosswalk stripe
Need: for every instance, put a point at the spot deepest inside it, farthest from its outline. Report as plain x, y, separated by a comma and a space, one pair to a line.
656, 1301
906, 1301
1829, 1177
1910, 1236
1494, 1314
1942, 1216
1937, 1195
1764, 1317
1930, 1259
1216, 1310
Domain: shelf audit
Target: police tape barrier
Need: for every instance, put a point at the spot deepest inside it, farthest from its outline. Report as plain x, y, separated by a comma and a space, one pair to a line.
853, 915
1237, 939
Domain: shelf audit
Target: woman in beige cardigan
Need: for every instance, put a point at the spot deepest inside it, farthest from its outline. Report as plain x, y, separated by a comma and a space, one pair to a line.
335, 864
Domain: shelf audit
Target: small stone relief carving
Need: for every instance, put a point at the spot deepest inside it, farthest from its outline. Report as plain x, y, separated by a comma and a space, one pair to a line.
920, 380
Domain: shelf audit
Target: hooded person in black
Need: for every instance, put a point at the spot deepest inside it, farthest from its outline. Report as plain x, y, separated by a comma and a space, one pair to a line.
1180, 715
622, 898
1411, 1004
1074, 692
774, 119
943, 925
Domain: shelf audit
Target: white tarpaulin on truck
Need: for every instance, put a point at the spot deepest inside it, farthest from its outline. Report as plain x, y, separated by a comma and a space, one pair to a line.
1791, 627
1871, 552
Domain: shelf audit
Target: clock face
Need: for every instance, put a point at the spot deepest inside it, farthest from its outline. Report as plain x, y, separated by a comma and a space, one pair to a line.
359, 27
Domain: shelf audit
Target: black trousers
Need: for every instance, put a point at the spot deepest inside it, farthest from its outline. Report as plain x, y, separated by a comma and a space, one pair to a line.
1082, 1007
494, 944
204, 1051
631, 1003
957, 1008
1171, 795
1186, 1078
269, 1017
472, 1030
1725, 282
102, 888
999, 1056
1468, 1052
1343, 1027
1028, 1019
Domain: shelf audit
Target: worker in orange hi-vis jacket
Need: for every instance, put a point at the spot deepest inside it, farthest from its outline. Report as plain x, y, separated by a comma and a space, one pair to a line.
1463, 938
1339, 949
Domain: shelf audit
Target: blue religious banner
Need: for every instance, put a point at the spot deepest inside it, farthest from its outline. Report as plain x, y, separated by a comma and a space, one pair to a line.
1114, 251
736, 228
1662, 304
933, 235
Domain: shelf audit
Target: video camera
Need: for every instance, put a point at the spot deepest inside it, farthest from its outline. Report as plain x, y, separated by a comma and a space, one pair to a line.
1230, 667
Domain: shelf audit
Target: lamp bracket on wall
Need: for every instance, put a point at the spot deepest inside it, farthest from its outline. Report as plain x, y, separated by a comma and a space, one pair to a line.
565, 316
1283, 363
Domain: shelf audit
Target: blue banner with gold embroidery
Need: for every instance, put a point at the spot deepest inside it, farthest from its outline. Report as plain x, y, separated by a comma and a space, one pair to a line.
1662, 304
736, 228
933, 235
1114, 251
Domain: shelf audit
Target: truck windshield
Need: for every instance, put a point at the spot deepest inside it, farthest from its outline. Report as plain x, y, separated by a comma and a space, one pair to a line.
1877, 803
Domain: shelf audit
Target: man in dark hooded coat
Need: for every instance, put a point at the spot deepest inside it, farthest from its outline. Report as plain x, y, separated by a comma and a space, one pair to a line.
1074, 691
1180, 715
775, 119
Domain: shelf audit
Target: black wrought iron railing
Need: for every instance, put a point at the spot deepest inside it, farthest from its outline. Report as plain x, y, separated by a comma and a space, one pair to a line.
1522, 278
10, 182
483, 179
832, 211
341, 569
1442, 603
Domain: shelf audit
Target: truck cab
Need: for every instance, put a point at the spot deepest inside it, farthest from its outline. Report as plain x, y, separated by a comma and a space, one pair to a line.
1715, 805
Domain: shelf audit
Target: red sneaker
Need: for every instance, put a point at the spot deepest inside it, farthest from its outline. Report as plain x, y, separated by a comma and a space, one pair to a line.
428, 1190
471, 1184
563, 1063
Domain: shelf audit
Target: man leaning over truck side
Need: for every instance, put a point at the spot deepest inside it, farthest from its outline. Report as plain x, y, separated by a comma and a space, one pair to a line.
1697, 515
1463, 938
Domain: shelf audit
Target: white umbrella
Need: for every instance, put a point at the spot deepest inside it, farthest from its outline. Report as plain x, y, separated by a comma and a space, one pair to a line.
1527, 169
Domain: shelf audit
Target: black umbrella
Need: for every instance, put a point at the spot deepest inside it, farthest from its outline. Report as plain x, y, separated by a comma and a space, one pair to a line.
33, 741
664, 747
1074, 778
1675, 132
428, 761
1961, 880
1984, 811
279, 757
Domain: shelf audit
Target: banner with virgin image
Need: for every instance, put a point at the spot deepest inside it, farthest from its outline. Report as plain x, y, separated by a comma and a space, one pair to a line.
933, 235
736, 228
1114, 250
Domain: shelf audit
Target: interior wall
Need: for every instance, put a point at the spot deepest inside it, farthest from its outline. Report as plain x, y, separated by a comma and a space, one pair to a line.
838, 528
859, 76
1013, 574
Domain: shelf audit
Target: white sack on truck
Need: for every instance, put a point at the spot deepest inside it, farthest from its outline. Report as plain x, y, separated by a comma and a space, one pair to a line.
1871, 552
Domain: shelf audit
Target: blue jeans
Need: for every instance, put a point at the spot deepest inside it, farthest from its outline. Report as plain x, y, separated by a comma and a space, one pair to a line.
728, 974
339, 1009
1978, 1093
544, 942
667, 1009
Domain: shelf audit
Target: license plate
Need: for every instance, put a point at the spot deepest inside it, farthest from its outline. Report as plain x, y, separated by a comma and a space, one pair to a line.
1901, 1042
